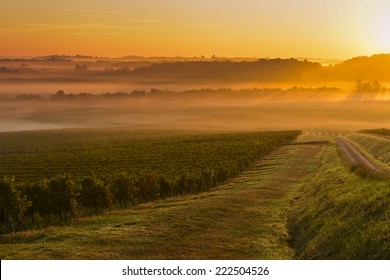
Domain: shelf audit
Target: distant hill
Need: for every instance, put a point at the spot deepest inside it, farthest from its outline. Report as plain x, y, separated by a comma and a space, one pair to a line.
376, 67
132, 57
196, 69
261, 70
65, 57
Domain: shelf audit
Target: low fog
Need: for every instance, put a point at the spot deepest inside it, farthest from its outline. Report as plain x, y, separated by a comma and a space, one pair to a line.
310, 110
194, 93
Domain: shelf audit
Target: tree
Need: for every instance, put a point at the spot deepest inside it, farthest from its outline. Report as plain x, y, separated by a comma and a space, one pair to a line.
13, 205
368, 87
80, 68
60, 93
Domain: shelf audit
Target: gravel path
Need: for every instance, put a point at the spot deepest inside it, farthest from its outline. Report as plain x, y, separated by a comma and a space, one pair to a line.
353, 156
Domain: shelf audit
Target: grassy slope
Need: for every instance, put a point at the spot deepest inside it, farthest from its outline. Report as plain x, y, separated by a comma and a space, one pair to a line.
377, 146
340, 215
245, 219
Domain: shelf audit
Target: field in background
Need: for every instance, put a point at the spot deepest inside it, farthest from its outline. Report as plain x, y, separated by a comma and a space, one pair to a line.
36, 155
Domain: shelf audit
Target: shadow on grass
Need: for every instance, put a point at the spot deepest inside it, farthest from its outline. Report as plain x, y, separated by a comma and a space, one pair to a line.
365, 172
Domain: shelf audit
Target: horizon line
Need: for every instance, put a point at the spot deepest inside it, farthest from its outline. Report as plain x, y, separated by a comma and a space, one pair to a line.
181, 56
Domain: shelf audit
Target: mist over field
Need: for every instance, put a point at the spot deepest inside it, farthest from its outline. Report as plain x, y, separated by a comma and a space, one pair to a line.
216, 110
193, 93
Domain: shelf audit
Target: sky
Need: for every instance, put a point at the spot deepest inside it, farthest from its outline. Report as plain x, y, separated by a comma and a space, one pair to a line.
230, 28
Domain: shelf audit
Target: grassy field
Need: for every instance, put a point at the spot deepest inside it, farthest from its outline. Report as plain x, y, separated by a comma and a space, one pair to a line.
300, 202
245, 219
77, 172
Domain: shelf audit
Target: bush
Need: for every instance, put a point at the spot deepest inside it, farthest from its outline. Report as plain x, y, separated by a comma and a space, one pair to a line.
63, 193
13, 205
123, 189
95, 194
148, 187
37, 193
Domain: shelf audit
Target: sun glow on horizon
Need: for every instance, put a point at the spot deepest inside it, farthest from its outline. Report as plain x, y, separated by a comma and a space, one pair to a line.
249, 28
383, 34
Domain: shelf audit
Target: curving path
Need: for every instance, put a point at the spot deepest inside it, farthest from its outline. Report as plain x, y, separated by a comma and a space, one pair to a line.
353, 156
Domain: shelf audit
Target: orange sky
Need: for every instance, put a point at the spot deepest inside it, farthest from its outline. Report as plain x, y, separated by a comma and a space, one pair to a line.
250, 28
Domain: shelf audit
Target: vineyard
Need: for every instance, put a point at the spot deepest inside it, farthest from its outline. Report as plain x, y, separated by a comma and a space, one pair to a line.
62, 173
379, 132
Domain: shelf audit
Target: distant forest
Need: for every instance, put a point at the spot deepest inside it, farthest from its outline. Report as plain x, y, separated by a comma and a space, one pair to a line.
372, 68
166, 94
273, 70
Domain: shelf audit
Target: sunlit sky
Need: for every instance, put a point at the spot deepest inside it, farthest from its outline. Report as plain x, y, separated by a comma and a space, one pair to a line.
234, 28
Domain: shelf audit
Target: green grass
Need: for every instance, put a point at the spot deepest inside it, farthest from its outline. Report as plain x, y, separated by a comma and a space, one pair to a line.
244, 219
376, 146
156, 164
340, 215
300, 202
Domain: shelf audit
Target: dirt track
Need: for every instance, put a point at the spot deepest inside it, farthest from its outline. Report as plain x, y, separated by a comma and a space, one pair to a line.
353, 156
